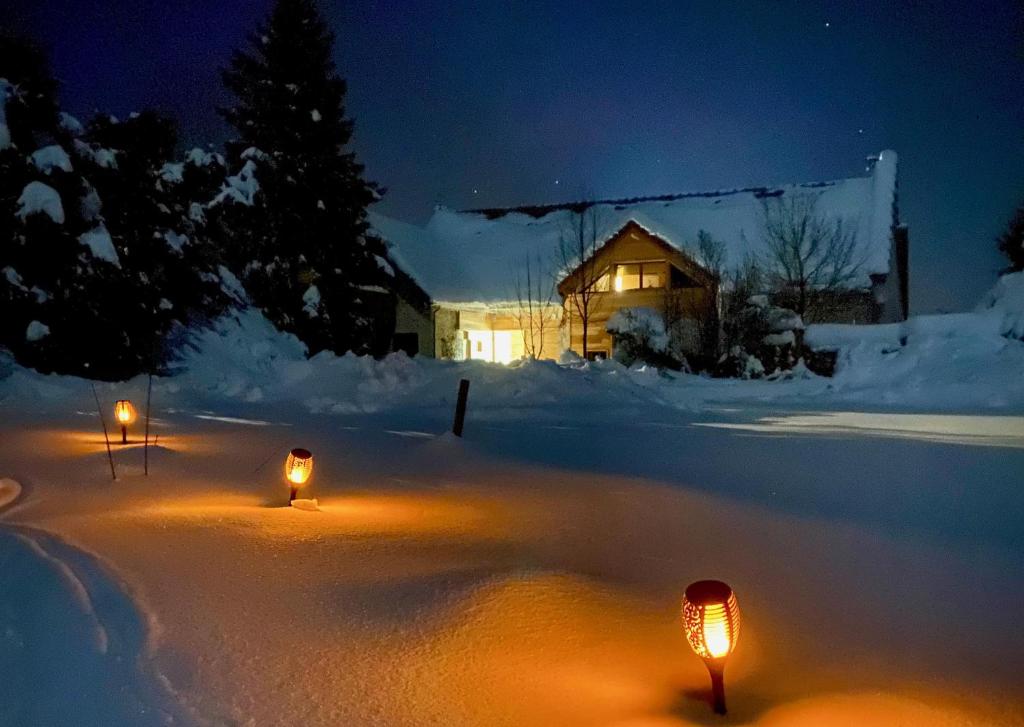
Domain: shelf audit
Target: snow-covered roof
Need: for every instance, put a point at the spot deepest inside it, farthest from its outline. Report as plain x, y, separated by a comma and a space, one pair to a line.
470, 256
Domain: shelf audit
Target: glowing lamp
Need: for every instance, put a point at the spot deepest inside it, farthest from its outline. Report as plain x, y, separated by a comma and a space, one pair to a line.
297, 469
711, 617
618, 284
124, 412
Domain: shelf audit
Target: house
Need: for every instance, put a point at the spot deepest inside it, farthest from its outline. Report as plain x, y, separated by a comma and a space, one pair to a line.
470, 261
633, 268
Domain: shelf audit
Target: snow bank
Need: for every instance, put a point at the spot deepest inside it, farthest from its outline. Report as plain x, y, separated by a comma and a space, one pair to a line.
10, 490
39, 198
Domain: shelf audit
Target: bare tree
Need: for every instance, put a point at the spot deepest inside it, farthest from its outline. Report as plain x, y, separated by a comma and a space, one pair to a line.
578, 245
534, 290
689, 316
809, 255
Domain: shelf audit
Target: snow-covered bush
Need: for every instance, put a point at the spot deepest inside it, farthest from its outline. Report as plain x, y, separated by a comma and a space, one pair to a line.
738, 364
640, 336
766, 333
1006, 301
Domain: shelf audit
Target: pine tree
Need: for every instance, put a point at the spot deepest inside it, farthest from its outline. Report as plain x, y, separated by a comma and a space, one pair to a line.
94, 269
53, 290
1011, 242
171, 278
293, 217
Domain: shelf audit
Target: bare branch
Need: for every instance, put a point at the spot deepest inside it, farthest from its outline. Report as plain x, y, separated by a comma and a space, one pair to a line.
808, 254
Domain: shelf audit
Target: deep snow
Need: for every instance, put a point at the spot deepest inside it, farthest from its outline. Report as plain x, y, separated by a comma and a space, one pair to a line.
530, 573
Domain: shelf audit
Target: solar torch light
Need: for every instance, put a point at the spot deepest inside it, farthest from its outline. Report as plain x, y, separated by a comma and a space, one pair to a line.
711, 617
124, 412
297, 470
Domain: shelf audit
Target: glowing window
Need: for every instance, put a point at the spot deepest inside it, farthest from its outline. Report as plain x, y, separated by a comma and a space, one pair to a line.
627, 277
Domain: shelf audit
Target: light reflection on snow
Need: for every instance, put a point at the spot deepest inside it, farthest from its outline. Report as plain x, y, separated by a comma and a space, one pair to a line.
233, 420
411, 433
90, 441
977, 430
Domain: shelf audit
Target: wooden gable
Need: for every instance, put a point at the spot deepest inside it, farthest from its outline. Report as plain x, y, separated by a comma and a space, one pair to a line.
634, 243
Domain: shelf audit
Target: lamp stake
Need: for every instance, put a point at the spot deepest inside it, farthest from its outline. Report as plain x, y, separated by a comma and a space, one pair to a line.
106, 437
717, 686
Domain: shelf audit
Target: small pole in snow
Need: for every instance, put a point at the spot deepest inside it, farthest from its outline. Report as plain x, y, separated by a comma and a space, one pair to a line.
460, 407
145, 450
106, 438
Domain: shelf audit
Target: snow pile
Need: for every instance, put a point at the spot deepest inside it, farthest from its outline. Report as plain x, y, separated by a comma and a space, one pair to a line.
39, 198
837, 336
1006, 302
9, 491
100, 245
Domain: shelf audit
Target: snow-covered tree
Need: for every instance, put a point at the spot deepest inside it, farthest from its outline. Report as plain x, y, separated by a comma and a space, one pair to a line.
58, 270
88, 283
170, 268
293, 215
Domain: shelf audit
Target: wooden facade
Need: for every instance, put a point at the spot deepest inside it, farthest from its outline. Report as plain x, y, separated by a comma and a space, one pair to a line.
497, 333
634, 268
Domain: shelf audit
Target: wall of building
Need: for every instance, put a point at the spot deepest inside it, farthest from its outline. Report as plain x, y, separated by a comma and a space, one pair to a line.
411, 320
634, 245
495, 333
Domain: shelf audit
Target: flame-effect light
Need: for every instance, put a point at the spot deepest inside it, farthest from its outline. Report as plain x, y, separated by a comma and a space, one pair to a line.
297, 469
711, 616
124, 412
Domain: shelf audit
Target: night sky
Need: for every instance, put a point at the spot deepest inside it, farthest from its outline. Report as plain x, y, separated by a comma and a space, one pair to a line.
497, 103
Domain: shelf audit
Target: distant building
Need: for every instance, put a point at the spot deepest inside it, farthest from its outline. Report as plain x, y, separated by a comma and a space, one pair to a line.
469, 261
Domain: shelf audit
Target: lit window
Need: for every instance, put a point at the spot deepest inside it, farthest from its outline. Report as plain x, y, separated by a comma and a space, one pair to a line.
627, 277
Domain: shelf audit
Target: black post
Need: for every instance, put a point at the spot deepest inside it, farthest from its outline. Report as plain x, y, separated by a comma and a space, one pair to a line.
294, 492
124, 434
460, 407
718, 688
145, 456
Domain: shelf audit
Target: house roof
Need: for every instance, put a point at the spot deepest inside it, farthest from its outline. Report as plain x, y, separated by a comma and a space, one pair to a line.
470, 256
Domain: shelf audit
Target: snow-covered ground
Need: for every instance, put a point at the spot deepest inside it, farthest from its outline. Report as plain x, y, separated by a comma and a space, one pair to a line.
531, 572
